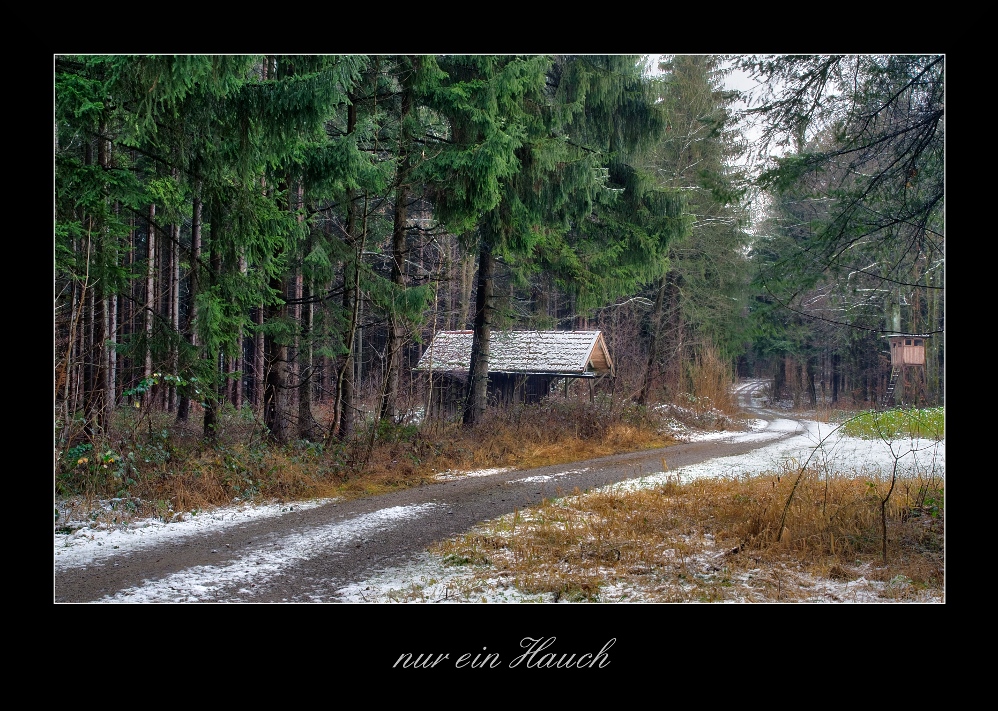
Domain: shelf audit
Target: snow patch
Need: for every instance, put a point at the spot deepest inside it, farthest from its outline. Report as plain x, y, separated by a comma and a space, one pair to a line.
204, 583
91, 543
451, 475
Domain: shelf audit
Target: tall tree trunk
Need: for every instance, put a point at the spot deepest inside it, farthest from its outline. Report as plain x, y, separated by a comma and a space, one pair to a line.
80, 350
780, 379
343, 404
306, 420
85, 349
150, 291
275, 394
71, 355
97, 402
656, 326
213, 400
358, 342
395, 333
280, 353
812, 395
174, 309
298, 373
129, 368
295, 290
229, 364
239, 365
478, 373
101, 391
467, 275
87, 353
836, 375
343, 408
190, 330
395, 330
258, 363
112, 353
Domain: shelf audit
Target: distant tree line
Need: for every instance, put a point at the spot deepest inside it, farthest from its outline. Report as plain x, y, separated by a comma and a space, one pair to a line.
853, 247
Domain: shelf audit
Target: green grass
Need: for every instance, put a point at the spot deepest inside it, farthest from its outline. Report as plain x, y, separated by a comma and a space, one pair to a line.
898, 423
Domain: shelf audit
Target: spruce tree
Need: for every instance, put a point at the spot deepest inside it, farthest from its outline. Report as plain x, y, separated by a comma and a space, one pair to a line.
541, 179
699, 301
240, 137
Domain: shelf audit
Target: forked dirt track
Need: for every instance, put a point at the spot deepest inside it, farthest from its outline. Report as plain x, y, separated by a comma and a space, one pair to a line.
307, 555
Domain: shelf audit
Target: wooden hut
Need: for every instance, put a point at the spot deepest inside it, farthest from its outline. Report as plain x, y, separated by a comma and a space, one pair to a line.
523, 365
907, 368
907, 349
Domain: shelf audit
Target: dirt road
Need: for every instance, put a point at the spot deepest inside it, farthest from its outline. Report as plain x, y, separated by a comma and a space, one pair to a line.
307, 555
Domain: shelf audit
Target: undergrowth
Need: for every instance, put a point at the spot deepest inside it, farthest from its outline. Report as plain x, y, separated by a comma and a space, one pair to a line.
161, 468
927, 423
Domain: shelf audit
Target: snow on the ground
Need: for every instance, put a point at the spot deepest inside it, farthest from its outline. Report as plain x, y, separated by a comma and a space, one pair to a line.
202, 583
428, 579
819, 444
451, 475
90, 542
548, 477
759, 431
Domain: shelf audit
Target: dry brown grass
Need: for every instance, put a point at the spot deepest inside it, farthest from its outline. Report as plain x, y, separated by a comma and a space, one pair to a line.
714, 540
162, 469
709, 382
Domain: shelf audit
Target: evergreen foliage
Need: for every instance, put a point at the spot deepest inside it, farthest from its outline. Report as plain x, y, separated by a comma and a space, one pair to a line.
289, 230
855, 238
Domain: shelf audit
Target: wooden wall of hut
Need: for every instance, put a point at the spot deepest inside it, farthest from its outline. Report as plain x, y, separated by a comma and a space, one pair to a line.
446, 399
509, 388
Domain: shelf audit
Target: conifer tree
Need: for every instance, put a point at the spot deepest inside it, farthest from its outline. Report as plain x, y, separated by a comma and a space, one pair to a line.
95, 191
406, 70
487, 101
860, 194
699, 301
539, 149
220, 130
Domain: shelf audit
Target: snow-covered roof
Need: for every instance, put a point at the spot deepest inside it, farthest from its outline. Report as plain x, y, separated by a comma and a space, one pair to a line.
558, 352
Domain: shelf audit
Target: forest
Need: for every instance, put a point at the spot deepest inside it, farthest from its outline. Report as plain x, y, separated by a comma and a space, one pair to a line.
252, 253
